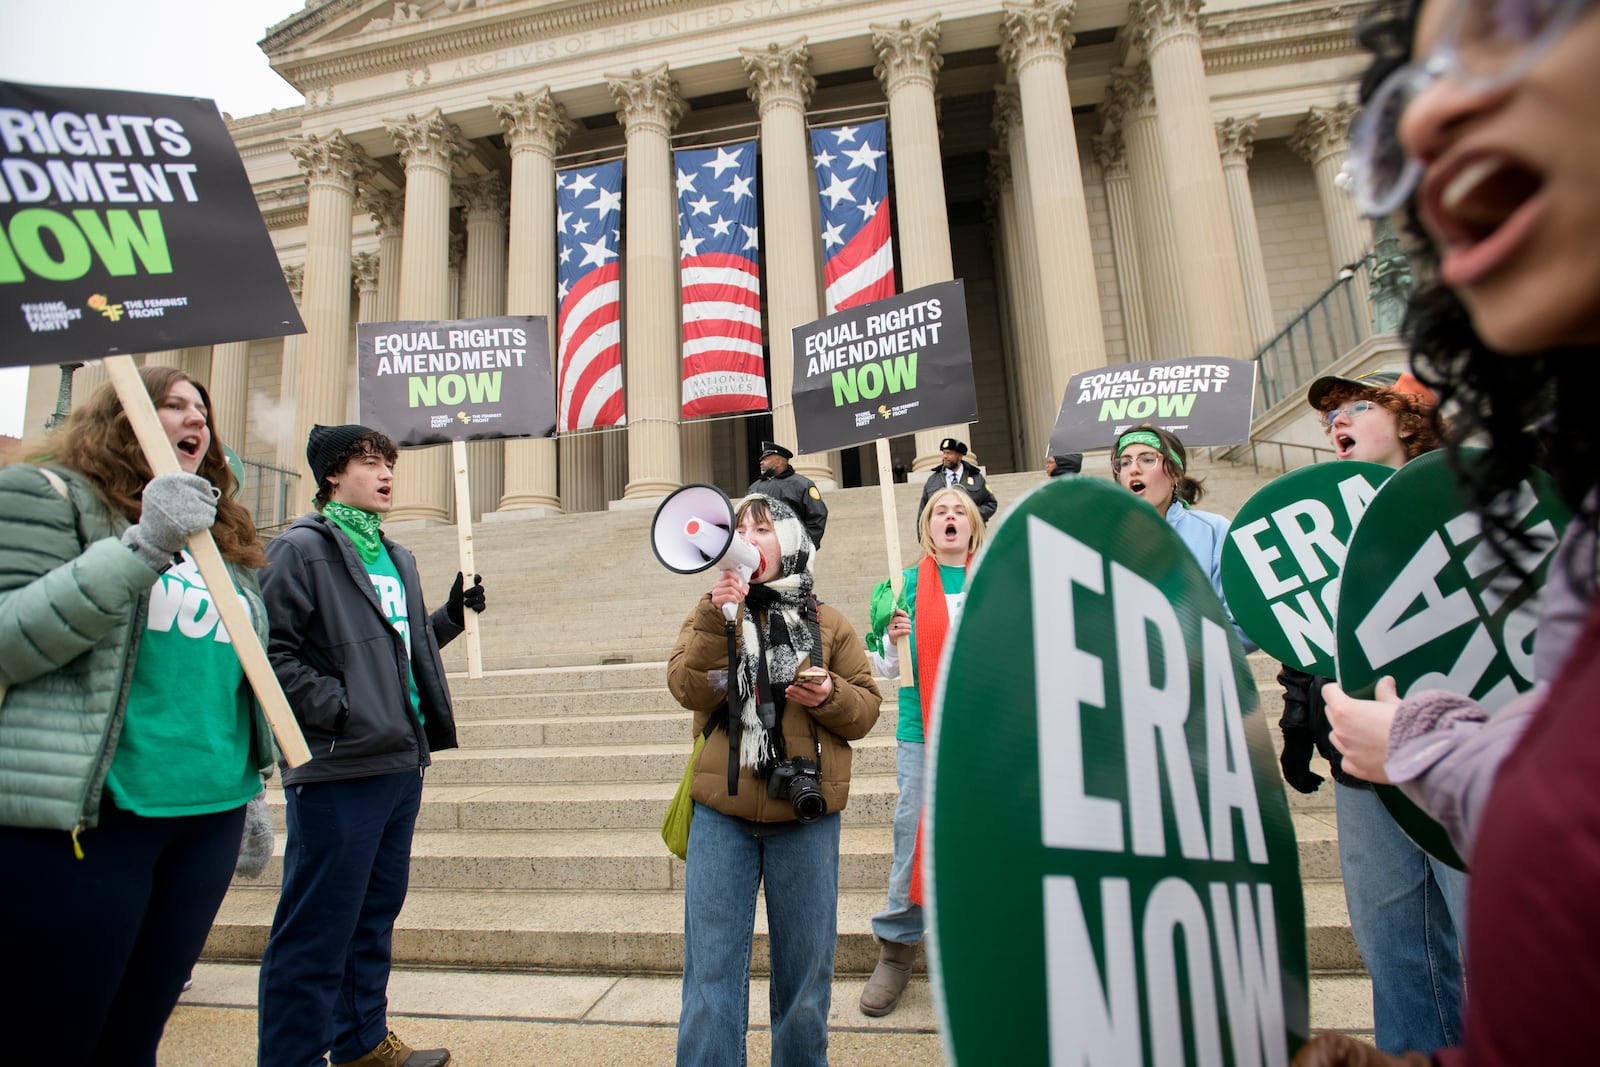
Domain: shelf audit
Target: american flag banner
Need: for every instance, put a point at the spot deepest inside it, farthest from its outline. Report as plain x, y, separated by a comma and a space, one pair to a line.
718, 244
589, 297
853, 189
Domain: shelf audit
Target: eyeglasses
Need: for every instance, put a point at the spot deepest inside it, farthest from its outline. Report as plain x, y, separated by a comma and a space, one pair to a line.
1486, 45
1147, 461
1353, 411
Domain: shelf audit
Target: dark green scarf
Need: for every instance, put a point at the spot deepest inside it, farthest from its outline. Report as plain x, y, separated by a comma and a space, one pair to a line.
362, 526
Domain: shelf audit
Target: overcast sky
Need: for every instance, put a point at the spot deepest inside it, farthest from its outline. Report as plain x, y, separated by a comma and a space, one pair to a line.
185, 47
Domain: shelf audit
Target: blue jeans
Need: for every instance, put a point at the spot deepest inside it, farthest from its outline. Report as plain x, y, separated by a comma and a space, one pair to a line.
902, 920
346, 867
725, 866
1405, 911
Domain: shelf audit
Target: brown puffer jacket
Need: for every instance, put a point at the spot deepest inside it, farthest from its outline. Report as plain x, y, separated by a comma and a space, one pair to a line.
847, 715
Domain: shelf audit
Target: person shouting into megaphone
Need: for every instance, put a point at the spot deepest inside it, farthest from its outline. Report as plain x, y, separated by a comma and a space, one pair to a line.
779, 692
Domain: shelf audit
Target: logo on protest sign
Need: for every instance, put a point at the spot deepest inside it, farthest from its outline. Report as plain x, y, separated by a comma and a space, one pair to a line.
1283, 555
1436, 607
1203, 401
890, 367
423, 382
1114, 875
127, 224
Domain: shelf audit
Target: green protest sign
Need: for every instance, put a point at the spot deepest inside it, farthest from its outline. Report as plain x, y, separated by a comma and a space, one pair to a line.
1283, 555
1114, 877
1435, 606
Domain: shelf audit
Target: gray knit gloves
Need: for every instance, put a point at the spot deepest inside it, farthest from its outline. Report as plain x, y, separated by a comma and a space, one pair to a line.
175, 506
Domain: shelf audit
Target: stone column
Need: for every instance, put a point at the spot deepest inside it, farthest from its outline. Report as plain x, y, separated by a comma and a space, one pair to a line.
908, 69
1033, 45
458, 264
388, 210
1131, 107
1236, 140
1016, 310
333, 166
650, 107
229, 389
1168, 31
429, 147
1038, 415
483, 294
1322, 138
1111, 153
536, 126
278, 426
781, 85
364, 274
167, 357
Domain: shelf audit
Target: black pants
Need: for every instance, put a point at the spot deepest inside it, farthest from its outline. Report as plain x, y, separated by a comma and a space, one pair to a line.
96, 950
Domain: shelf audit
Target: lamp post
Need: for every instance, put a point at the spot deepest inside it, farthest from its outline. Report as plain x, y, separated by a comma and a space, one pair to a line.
63, 397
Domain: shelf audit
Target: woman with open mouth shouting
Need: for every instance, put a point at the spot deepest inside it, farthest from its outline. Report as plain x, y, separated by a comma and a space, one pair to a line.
1481, 130
951, 529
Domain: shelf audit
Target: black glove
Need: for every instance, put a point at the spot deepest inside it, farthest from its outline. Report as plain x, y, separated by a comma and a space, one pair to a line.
470, 598
1296, 759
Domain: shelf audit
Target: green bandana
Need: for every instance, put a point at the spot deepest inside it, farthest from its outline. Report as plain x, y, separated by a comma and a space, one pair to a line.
1145, 437
362, 526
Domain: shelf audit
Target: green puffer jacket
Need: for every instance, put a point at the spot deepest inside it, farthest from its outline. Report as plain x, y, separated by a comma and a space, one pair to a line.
72, 609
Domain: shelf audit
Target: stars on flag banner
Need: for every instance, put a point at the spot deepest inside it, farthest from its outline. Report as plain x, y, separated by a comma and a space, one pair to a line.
588, 297
852, 169
718, 249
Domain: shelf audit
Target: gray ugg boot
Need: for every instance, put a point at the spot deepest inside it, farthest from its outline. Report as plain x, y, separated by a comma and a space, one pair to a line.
888, 979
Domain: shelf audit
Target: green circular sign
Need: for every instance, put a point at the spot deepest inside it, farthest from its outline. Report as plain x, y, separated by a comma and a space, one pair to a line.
1283, 555
1435, 607
1113, 873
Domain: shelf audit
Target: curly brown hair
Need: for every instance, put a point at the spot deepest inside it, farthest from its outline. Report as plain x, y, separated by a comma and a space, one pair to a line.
1418, 423
98, 442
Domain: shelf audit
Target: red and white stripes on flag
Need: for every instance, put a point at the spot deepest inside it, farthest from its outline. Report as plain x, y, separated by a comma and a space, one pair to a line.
589, 297
718, 241
853, 191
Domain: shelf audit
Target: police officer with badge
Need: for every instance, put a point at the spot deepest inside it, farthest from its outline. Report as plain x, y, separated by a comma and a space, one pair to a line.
954, 471
782, 482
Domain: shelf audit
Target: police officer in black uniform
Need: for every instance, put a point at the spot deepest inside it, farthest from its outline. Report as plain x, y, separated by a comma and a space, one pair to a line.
956, 471
783, 482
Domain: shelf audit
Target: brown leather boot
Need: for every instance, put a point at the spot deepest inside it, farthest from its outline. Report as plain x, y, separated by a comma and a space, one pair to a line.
888, 979
392, 1052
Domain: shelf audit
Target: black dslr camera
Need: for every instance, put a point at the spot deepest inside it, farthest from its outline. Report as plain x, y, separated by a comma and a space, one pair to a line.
796, 781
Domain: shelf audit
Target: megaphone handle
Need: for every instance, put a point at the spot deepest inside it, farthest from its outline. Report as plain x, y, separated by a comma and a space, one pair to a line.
731, 610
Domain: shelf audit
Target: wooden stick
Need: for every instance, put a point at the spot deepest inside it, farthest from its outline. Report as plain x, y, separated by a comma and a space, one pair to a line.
469, 618
158, 453
891, 541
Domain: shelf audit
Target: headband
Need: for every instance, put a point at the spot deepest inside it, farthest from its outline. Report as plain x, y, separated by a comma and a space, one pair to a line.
1147, 437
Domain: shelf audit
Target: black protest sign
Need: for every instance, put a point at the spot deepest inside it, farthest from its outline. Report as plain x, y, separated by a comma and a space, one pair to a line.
883, 369
424, 382
1203, 401
127, 224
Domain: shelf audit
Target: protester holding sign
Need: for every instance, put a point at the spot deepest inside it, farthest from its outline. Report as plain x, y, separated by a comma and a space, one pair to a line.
933, 590
1152, 464
357, 653
132, 741
1484, 130
772, 778
1406, 907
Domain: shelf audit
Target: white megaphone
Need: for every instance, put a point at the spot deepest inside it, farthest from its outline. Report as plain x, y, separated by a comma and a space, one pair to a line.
693, 532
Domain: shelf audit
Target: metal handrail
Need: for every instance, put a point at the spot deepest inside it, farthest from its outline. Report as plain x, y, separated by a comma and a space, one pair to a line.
1234, 454
266, 493
1301, 350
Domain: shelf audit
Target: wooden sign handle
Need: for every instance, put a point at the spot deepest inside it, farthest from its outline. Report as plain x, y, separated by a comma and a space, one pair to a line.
124, 375
469, 618
891, 542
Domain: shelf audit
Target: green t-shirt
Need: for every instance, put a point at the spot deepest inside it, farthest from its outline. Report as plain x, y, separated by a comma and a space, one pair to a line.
185, 742
392, 595
908, 725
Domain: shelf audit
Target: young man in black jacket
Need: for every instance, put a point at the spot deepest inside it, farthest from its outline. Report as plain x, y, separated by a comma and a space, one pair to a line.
357, 654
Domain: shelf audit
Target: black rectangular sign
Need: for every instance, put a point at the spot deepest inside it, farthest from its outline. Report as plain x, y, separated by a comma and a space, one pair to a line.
1203, 401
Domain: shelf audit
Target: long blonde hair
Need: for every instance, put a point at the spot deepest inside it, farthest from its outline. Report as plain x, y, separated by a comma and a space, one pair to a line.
974, 518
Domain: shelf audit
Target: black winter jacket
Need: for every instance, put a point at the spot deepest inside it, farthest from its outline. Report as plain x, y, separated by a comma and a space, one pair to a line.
343, 666
802, 496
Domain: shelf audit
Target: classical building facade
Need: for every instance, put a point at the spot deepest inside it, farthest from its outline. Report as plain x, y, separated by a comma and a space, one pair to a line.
1112, 181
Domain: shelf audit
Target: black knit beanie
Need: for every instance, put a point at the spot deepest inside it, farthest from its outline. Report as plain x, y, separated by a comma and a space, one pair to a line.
325, 445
